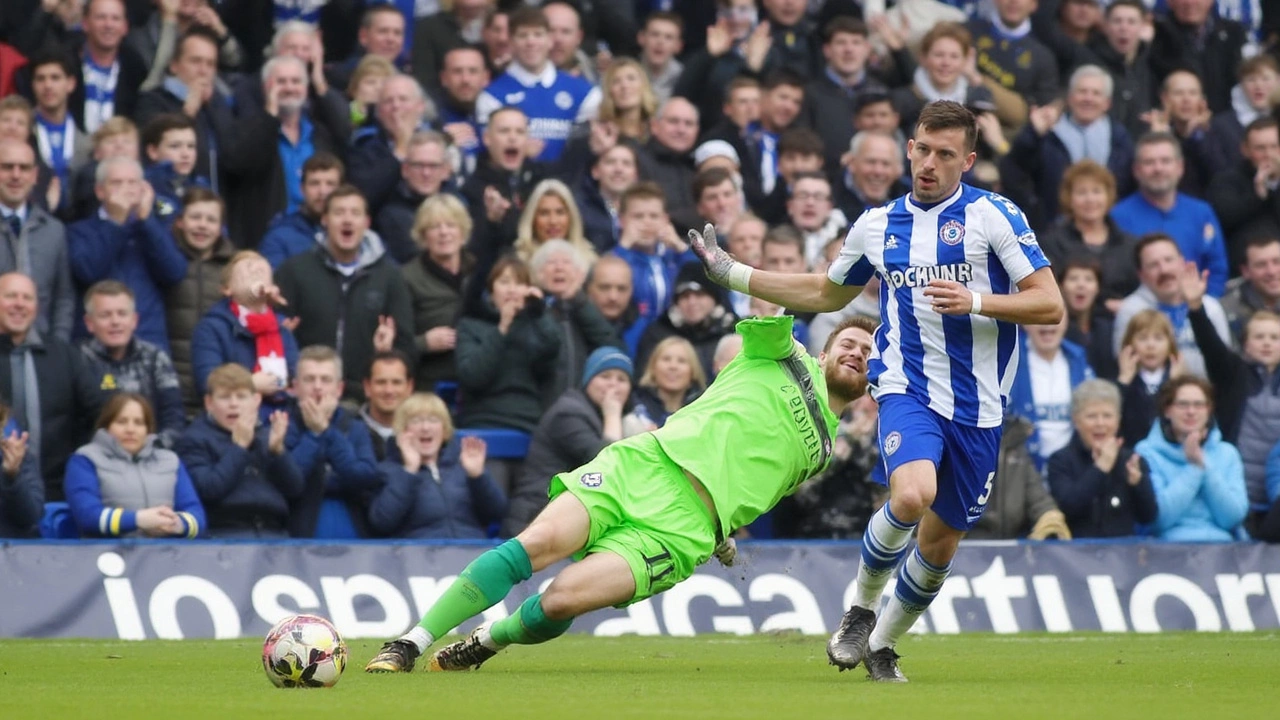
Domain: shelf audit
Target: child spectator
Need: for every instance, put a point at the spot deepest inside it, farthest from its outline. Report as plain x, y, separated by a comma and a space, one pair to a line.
239, 466
1148, 359
122, 483
170, 144
1089, 324
650, 245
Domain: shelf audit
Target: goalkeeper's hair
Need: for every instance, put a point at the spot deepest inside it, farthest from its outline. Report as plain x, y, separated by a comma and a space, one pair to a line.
862, 322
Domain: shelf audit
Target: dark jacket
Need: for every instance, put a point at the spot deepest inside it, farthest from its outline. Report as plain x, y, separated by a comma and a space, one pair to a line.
852, 204
239, 487
598, 224
674, 173
146, 370
1018, 497
569, 435
337, 463
1212, 52
504, 378
1243, 215
1097, 342
21, 495
69, 404
1044, 160
373, 166
1098, 504
422, 506
1063, 242
704, 336
169, 187
1024, 65
433, 37
437, 302
704, 80
140, 254
342, 312
647, 401
219, 338
289, 235
1138, 408
514, 186
829, 110
1135, 84
133, 71
582, 330
186, 303
394, 223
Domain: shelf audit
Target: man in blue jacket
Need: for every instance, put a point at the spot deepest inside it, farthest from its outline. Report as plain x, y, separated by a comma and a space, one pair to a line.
651, 247
126, 242
297, 232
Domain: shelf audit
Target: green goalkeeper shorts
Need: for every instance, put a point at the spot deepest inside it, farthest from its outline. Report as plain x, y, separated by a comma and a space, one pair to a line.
643, 508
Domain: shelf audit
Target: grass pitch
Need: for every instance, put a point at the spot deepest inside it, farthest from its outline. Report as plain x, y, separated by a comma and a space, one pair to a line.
1126, 677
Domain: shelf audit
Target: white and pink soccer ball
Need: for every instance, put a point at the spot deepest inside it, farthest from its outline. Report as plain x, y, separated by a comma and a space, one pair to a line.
304, 651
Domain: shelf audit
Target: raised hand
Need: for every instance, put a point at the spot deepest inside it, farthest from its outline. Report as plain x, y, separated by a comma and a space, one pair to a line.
53, 196
472, 457
410, 458
718, 262
14, 447
1105, 453
604, 136
1193, 283
1133, 469
719, 38
495, 205
759, 43
385, 335
242, 433
1192, 448
146, 200
1044, 117
279, 428
1128, 364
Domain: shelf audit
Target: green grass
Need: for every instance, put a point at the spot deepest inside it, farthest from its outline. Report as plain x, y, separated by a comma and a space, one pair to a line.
1126, 677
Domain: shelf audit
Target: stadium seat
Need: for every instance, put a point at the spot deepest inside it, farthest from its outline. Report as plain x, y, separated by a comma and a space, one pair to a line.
334, 522
57, 523
502, 444
448, 392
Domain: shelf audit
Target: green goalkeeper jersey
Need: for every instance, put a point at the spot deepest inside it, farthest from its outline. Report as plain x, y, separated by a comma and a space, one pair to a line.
761, 429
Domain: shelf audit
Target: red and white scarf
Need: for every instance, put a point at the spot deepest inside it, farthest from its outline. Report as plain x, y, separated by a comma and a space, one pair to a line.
265, 329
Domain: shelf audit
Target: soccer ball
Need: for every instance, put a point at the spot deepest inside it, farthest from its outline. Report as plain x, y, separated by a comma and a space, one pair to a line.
304, 651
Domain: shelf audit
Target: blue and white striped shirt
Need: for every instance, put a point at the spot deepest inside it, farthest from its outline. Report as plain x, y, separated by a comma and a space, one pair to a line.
961, 367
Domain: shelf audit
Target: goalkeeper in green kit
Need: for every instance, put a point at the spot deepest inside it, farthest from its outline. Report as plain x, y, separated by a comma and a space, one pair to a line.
651, 508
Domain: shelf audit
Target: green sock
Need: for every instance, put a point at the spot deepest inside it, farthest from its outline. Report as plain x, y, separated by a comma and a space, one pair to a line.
528, 626
480, 586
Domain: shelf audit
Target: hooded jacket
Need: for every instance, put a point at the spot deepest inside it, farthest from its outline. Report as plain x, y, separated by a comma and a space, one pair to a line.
1197, 503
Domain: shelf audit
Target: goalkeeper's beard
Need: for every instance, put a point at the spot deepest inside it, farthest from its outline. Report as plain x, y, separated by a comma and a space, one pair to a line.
844, 383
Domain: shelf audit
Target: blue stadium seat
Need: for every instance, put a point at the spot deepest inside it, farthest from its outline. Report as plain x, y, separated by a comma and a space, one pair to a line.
448, 392
502, 444
335, 522
57, 523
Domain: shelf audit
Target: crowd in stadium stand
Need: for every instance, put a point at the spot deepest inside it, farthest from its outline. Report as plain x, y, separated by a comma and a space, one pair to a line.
347, 268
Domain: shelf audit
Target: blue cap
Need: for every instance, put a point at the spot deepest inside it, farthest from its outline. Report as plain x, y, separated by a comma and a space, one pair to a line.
606, 358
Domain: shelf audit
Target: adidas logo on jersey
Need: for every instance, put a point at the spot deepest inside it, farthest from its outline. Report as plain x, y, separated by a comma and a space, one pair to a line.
914, 276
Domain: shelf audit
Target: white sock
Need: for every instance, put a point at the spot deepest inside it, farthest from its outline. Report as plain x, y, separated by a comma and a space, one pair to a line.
918, 584
420, 638
486, 638
883, 545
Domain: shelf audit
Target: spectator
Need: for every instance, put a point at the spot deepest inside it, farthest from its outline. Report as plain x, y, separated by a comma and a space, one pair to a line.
551, 214
34, 242
246, 330
373, 311
564, 27
945, 74
64, 147
462, 78
437, 283
387, 385
118, 137
628, 102
496, 39
507, 352
1160, 268
812, 212
828, 99
536, 83
795, 36
423, 174
610, 287
382, 33
661, 42
872, 173
198, 234
1087, 230
741, 109
651, 248
1157, 206
1054, 140
719, 197
736, 45
783, 250
1012, 57
331, 446
54, 396
673, 377
1089, 323
1193, 36
1257, 288
123, 483
1019, 505
874, 112
365, 88
126, 242
504, 178
573, 430
119, 362
1245, 197
665, 159
1252, 99
697, 315
560, 271
781, 96
170, 144
438, 488
110, 73
1198, 476
613, 172
379, 148
1048, 368
726, 350
437, 35
239, 466
1247, 384
21, 489
1121, 49
299, 231
1102, 487
1185, 114
1147, 362
154, 40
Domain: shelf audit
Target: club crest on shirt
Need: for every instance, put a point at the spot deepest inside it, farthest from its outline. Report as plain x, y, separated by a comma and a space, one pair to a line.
592, 479
564, 100
951, 233
892, 442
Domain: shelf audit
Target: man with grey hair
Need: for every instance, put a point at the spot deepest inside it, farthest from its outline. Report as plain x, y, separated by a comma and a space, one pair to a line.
872, 174
560, 271
1054, 139
126, 242
379, 148
425, 172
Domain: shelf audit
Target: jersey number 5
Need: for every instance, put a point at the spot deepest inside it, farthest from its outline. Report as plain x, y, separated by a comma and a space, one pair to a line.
986, 490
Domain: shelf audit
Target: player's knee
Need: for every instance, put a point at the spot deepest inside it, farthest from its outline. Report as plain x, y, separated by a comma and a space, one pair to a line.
560, 603
909, 503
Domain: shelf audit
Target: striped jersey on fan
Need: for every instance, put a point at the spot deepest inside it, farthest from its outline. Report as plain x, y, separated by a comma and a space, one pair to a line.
961, 367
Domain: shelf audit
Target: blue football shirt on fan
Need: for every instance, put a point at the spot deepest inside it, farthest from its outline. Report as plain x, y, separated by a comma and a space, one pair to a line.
552, 100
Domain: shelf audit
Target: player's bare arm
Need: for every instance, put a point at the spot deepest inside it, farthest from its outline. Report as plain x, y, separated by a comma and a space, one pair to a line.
805, 292
1038, 301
